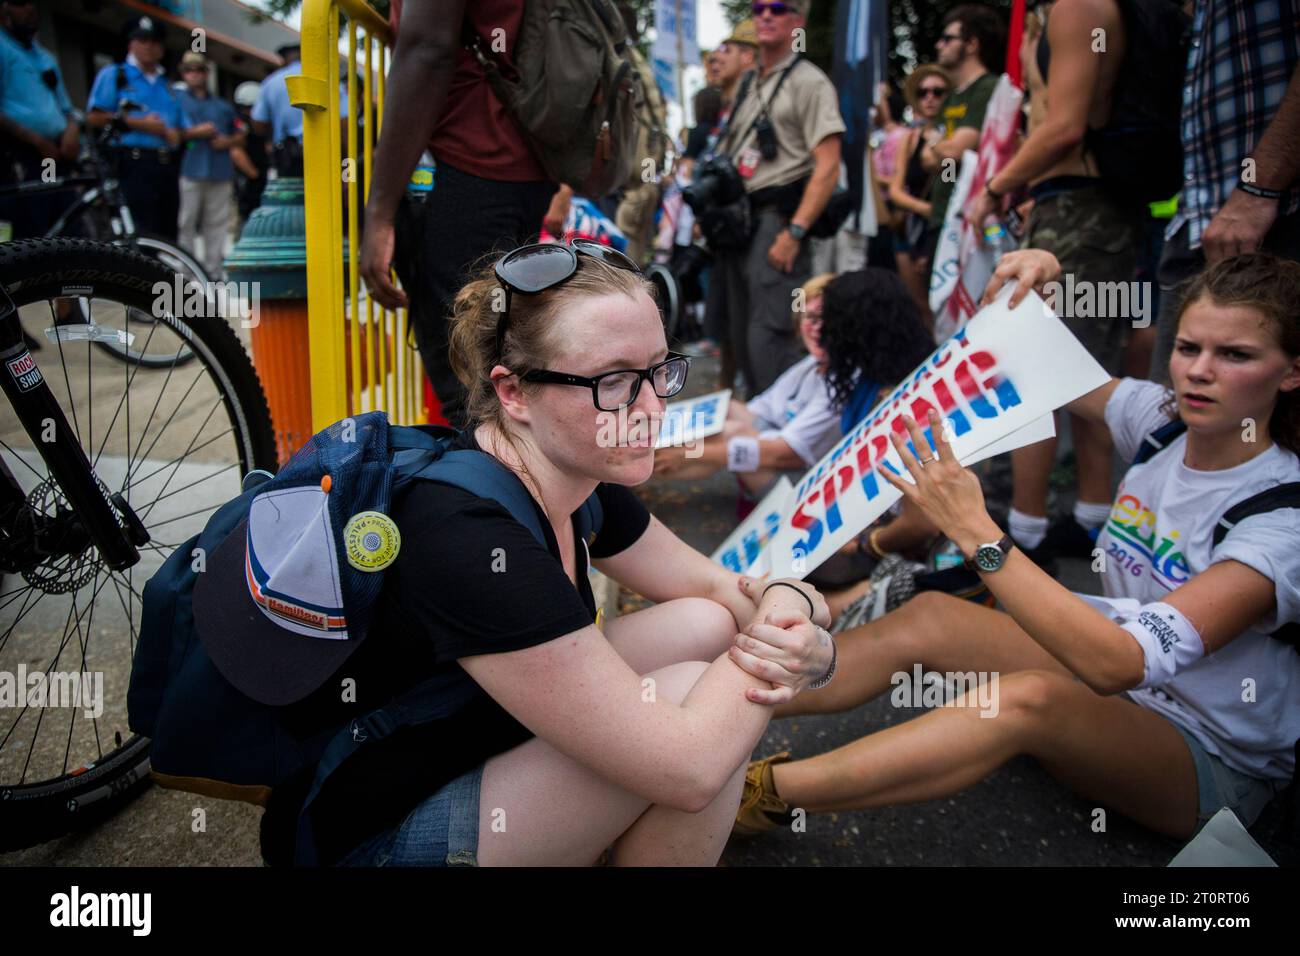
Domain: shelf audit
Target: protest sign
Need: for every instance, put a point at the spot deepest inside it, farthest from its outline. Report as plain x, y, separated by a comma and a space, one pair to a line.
694, 418
744, 548
963, 261
1004, 370
1039, 429
758, 529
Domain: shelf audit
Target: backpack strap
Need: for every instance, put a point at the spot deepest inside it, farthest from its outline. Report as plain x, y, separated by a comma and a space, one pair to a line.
480, 474
430, 700
1271, 499
1158, 439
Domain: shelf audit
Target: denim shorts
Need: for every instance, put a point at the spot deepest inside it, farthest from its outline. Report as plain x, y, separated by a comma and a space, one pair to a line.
1219, 786
441, 831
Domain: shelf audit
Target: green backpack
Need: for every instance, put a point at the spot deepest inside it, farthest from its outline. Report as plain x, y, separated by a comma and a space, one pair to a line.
574, 91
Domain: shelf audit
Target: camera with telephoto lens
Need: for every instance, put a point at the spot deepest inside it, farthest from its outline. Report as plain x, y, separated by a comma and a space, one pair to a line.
717, 183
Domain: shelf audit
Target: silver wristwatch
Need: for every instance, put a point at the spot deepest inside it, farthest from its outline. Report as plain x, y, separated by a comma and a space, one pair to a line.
797, 231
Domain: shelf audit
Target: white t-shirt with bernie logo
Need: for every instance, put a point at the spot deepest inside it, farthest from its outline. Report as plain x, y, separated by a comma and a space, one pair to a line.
1243, 701
797, 407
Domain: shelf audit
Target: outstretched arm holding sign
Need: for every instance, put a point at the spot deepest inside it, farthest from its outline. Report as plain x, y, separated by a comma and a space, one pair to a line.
1096, 649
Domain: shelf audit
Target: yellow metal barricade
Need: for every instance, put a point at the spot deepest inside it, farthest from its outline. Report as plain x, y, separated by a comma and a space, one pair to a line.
360, 359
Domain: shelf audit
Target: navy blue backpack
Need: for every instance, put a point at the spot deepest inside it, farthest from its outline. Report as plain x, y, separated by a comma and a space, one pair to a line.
207, 736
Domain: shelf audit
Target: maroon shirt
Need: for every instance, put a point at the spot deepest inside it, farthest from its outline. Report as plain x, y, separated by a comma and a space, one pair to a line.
475, 134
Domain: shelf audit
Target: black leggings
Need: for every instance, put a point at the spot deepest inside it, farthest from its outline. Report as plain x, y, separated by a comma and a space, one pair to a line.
463, 218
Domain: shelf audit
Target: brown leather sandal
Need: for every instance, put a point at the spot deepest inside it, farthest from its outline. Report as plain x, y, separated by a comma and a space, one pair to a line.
760, 807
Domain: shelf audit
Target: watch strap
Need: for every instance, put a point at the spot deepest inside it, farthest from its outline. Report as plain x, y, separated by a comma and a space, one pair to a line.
1005, 544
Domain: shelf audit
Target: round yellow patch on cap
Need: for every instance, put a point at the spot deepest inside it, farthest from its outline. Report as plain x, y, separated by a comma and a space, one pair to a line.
371, 540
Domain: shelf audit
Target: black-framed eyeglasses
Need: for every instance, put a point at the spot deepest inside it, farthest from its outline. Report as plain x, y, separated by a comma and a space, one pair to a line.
949, 37
611, 391
544, 265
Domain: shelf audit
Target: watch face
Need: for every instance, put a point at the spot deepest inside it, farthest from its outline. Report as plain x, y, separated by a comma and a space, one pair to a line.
988, 557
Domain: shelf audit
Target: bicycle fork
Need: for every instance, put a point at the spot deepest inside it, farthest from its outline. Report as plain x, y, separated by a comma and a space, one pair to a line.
108, 521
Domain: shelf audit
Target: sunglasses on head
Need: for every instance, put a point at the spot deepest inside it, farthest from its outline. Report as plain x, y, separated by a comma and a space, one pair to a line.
776, 9
544, 265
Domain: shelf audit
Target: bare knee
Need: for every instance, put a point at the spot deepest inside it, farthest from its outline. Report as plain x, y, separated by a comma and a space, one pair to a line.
1031, 698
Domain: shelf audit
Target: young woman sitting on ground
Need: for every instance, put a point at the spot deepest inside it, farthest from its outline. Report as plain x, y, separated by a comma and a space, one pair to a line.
1167, 699
579, 738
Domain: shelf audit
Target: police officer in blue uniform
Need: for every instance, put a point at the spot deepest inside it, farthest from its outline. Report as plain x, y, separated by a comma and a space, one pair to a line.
36, 124
279, 121
148, 164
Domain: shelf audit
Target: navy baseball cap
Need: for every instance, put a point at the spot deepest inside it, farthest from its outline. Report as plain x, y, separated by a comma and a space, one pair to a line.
144, 28
289, 595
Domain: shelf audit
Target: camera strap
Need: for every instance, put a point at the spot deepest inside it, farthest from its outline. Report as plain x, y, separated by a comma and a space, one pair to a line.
725, 129
764, 107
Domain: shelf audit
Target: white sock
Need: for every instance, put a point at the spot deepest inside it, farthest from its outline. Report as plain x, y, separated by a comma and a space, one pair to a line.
1091, 514
1027, 530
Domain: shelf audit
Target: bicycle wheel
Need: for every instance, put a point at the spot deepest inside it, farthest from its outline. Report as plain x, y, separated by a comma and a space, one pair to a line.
99, 221
175, 444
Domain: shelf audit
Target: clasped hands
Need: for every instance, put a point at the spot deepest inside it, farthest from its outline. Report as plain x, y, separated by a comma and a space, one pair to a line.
785, 646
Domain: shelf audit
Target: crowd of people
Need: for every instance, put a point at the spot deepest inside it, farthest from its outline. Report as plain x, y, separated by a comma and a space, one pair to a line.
1168, 697
1133, 697
191, 164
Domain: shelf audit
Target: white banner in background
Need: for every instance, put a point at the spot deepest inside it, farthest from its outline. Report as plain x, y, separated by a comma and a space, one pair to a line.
963, 262
667, 28
744, 548
1004, 370
693, 419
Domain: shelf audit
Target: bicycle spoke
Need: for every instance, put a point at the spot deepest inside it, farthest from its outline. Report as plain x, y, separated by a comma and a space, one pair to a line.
131, 457
179, 403
188, 449
190, 514
40, 718
67, 633
165, 465
128, 606
54, 318
22, 613
41, 478
196, 481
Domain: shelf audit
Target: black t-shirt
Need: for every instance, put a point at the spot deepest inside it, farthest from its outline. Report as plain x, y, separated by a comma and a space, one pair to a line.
468, 579
696, 141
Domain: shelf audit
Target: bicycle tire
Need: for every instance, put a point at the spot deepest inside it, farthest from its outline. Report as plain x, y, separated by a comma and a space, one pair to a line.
44, 269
